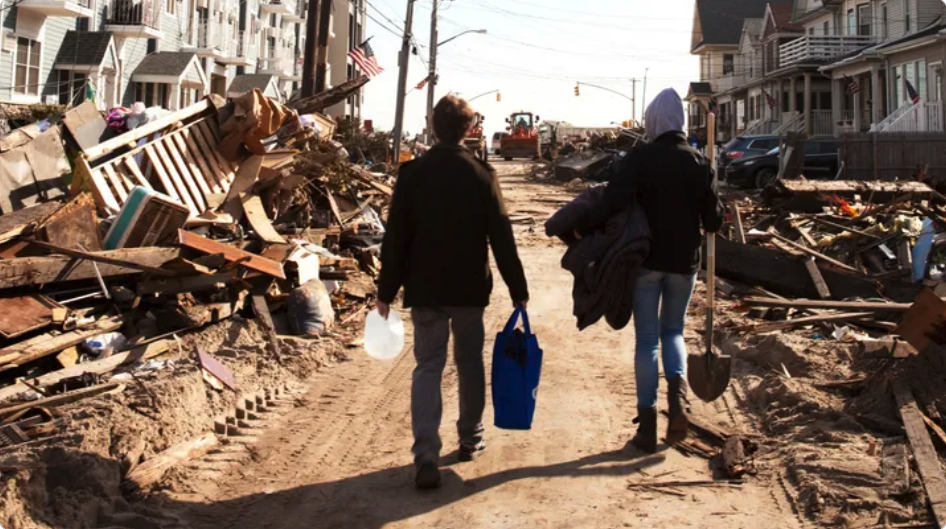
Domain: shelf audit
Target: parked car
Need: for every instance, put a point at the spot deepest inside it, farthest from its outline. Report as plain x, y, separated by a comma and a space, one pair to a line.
821, 162
496, 144
746, 146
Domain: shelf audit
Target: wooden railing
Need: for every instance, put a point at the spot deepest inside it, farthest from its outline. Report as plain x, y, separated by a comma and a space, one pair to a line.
820, 48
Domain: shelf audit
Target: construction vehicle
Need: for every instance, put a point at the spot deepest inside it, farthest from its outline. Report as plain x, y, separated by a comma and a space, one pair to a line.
523, 140
475, 139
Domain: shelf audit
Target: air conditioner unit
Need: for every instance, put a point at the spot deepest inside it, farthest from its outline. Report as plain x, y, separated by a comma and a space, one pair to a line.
148, 218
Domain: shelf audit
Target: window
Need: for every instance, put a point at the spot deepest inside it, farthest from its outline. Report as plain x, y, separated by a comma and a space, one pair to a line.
811, 31
728, 61
851, 22
921, 78
883, 21
897, 83
171, 6
908, 23
827, 28
863, 20
71, 87
27, 66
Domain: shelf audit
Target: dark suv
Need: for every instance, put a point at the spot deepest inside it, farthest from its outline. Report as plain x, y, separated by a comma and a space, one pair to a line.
745, 146
821, 162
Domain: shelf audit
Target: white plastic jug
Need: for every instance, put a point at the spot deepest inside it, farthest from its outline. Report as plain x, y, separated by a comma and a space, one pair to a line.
384, 338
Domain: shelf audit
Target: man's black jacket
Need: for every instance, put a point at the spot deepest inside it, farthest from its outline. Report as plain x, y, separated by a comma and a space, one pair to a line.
447, 211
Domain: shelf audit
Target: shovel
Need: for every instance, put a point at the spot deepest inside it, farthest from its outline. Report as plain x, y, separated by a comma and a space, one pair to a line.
708, 373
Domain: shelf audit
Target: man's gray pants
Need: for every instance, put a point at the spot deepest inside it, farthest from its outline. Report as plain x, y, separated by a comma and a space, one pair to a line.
431, 333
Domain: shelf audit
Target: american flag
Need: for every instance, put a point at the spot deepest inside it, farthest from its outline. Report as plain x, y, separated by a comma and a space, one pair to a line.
911, 92
364, 58
773, 103
853, 86
422, 84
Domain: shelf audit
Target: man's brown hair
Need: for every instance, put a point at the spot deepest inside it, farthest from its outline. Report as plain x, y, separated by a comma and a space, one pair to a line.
452, 118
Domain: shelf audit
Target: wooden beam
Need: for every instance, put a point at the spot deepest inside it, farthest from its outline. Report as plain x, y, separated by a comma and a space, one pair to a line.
927, 460
232, 254
801, 322
26, 271
62, 399
861, 306
99, 258
152, 470
817, 278
46, 344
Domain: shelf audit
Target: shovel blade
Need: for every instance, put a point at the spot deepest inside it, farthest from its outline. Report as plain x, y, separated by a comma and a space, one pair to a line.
708, 375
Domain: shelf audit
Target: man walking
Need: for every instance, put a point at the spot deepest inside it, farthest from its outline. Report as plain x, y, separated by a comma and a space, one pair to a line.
447, 211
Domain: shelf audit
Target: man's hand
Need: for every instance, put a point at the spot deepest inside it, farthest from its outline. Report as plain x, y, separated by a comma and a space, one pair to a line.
384, 309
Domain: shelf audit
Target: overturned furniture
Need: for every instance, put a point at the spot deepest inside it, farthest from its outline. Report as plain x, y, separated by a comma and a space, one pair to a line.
175, 155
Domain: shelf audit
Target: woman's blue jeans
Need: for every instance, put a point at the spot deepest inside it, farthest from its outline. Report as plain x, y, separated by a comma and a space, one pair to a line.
670, 295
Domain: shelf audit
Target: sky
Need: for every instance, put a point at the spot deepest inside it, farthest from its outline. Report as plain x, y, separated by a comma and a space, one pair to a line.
534, 52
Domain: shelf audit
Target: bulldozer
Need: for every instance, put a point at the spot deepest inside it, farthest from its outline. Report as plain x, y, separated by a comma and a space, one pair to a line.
523, 140
475, 139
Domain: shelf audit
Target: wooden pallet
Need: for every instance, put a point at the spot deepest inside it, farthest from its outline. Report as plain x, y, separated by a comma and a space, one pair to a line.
176, 155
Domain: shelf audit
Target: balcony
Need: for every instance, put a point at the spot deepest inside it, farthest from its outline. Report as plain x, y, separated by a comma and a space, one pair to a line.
59, 8
297, 15
239, 49
130, 18
925, 116
820, 48
728, 82
204, 39
279, 7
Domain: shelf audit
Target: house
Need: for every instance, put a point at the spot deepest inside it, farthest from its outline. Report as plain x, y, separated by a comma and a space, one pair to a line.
835, 66
163, 52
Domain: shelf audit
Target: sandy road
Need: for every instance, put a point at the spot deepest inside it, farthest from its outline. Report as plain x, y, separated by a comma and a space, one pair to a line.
341, 458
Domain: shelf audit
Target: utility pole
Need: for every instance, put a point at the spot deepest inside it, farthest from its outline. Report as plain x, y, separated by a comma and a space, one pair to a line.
311, 51
403, 62
634, 99
321, 68
644, 98
432, 76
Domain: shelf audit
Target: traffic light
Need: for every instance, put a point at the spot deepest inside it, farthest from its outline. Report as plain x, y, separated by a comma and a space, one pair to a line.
577, 92
499, 97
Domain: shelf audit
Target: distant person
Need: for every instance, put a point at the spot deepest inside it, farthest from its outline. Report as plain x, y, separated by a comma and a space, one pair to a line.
446, 213
677, 188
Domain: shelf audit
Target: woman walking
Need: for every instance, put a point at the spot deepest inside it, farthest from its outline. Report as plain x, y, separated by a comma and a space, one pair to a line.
676, 187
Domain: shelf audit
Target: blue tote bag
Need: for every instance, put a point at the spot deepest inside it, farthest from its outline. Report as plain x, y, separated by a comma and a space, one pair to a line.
517, 366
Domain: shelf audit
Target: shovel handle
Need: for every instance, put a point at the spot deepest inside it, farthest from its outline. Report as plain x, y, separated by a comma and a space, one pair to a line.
710, 288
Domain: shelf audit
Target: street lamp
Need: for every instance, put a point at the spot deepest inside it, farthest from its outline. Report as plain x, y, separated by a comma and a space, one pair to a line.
432, 75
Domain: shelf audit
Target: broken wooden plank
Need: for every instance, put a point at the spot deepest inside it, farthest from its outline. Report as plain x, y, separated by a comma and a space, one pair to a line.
734, 457
256, 214
245, 178
178, 285
886, 348
693, 483
737, 219
25, 271
925, 317
232, 254
22, 314
74, 225
860, 306
99, 257
813, 253
152, 470
213, 366
927, 460
24, 221
801, 322
823, 291
63, 398
844, 228
105, 365
45, 345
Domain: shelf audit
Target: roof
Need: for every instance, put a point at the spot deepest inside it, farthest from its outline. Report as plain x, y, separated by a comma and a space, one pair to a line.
699, 90
84, 48
247, 82
877, 51
783, 15
167, 63
721, 21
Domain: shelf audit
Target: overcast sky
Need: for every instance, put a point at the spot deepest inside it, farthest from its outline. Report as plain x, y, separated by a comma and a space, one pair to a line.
534, 53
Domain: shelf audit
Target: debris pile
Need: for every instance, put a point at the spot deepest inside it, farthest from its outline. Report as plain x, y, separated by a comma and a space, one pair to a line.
119, 252
832, 302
